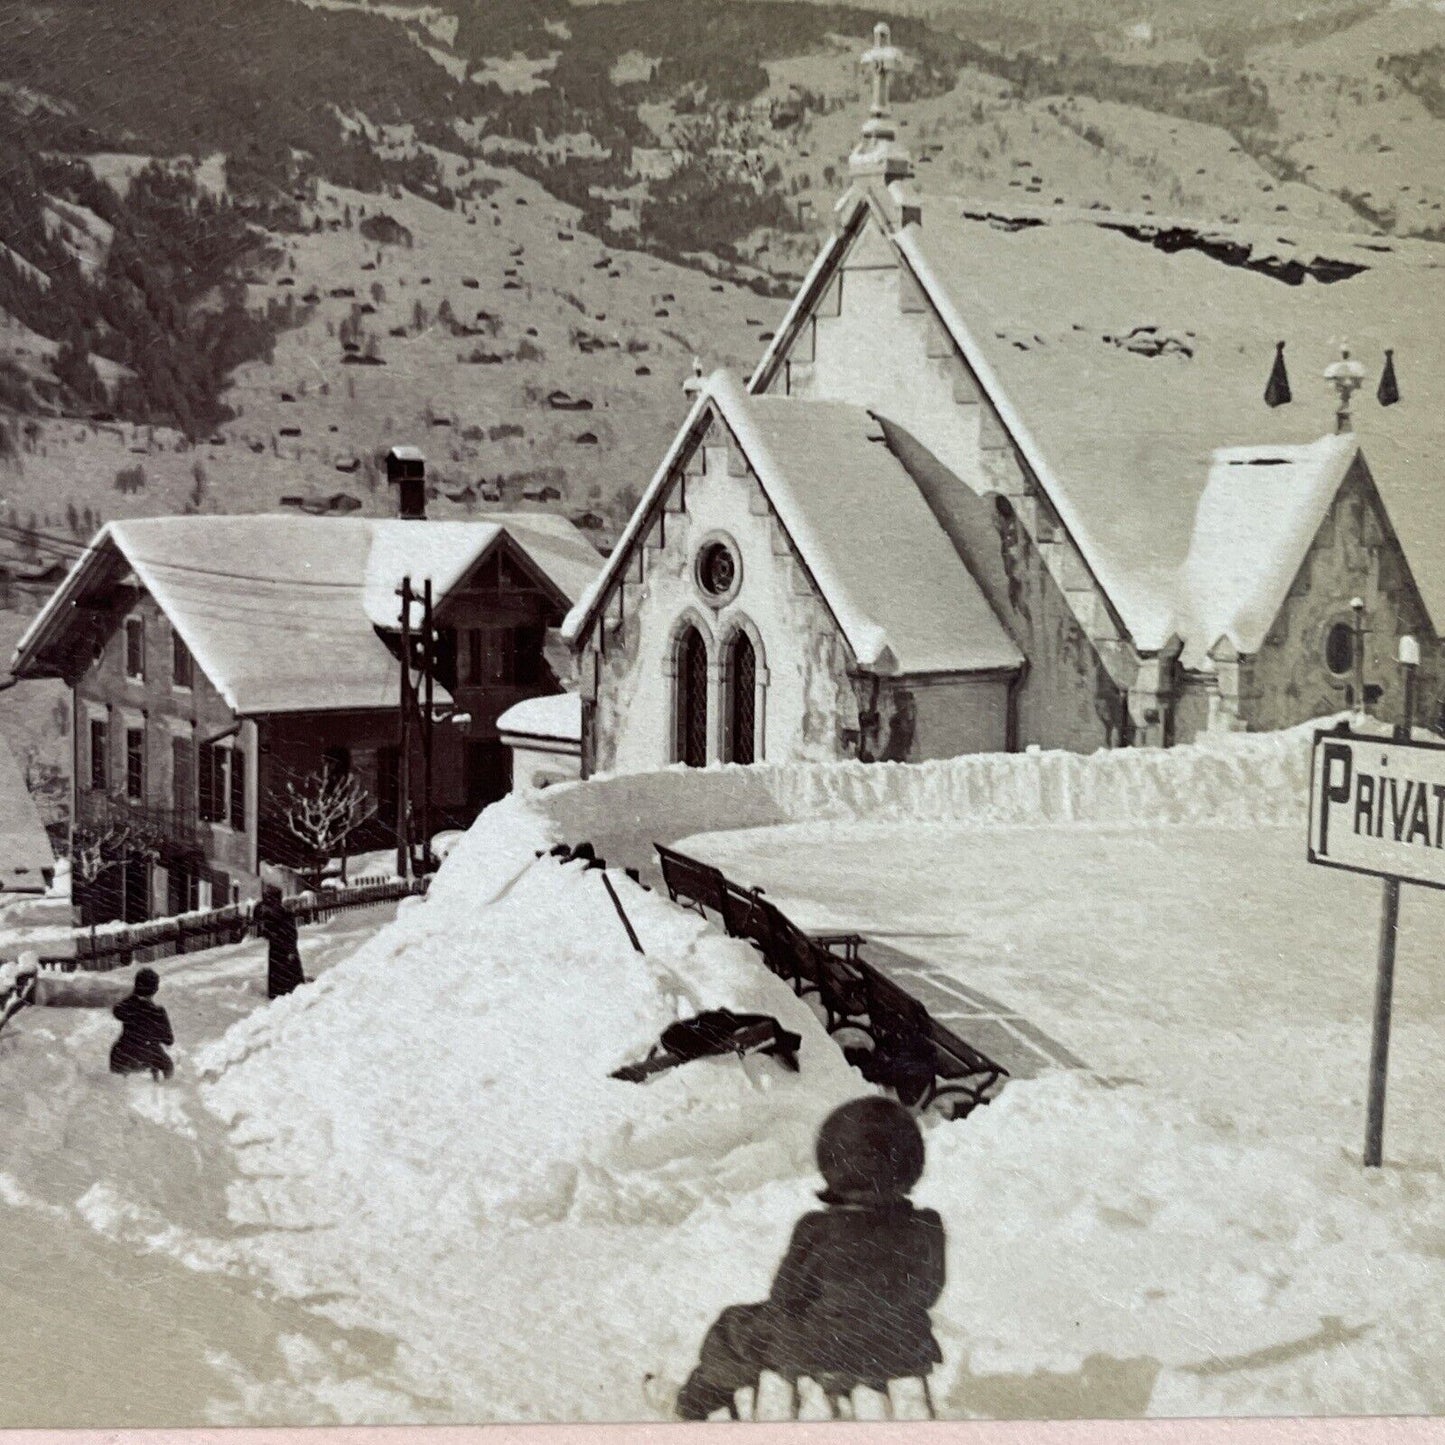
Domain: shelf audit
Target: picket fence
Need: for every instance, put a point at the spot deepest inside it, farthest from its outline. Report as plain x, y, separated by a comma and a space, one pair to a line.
112, 946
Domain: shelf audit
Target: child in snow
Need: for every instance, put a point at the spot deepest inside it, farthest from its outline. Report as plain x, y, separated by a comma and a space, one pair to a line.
145, 1031
852, 1295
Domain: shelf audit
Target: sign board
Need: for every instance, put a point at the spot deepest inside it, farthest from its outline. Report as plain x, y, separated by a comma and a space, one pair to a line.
1378, 807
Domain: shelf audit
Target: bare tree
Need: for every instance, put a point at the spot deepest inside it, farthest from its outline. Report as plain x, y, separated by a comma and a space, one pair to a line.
108, 841
322, 809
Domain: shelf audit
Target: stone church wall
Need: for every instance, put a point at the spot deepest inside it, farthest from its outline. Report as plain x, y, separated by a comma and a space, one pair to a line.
809, 707
805, 700
1353, 555
874, 342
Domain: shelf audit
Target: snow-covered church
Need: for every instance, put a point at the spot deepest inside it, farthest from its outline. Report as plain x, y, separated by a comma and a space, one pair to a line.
1010, 476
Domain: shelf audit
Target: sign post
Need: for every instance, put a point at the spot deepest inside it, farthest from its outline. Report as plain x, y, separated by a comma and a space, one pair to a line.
1379, 808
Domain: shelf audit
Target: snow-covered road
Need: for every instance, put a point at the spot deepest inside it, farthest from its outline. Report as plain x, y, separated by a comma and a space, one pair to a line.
1213, 962
123, 1299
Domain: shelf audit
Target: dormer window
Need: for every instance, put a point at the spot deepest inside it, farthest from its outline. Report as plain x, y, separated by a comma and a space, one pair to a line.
135, 649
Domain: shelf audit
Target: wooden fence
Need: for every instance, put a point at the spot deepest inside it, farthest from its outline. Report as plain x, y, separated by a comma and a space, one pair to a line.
109, 947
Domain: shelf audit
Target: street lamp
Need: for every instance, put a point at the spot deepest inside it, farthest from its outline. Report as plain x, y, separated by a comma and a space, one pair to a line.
1409, 659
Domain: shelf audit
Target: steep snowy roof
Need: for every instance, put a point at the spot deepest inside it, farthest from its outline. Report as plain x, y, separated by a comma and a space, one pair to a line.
25, 856
1261, 509
1123, 352
557, 718
903, 598
281, 612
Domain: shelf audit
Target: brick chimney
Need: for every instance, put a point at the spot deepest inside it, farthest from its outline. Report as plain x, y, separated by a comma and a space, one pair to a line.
406, 470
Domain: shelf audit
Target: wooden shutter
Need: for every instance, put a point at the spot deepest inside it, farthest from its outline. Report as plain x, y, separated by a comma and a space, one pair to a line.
183, 776
238, 789
97, 754
206, 778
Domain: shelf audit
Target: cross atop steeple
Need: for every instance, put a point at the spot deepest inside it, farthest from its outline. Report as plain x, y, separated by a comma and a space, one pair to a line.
882, 60
877, 154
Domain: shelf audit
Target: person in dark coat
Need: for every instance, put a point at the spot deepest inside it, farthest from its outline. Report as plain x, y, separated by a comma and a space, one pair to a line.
145, 1031
851, 1298
283, 948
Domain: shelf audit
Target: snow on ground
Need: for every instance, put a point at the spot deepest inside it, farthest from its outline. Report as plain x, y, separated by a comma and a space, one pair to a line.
431, 1140
1184, 1226
116, 1246
430, 1203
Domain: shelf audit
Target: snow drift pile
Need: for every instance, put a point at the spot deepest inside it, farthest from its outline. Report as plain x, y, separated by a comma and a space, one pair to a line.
431, 1137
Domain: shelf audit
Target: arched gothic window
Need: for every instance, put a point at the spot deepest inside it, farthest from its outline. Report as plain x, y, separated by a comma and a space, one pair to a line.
690, 721
740, 683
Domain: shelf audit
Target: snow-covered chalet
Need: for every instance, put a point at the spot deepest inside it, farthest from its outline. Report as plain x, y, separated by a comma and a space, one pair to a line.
212, 659
1009, 476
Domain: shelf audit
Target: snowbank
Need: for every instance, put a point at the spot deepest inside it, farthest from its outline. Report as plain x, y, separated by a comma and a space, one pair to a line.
1239, 780
429, 1135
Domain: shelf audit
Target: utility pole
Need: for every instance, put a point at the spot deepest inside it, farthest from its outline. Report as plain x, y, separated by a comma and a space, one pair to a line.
403, 762
428, 680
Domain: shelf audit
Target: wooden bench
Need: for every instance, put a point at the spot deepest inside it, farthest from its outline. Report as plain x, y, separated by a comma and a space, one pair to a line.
700, 884
853, 994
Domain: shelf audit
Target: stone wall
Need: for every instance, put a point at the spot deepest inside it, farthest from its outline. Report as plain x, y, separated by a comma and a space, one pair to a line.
804, 701
1354, 554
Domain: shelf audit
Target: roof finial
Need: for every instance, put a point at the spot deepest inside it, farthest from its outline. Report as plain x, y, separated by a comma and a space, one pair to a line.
1346, 376
876, 152
693, 384
1276, 390
882, 60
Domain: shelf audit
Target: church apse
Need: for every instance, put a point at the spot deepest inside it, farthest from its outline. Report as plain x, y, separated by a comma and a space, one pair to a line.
1300, 670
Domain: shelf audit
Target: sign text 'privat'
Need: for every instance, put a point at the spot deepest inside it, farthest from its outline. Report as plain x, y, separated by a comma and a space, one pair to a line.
1379, 807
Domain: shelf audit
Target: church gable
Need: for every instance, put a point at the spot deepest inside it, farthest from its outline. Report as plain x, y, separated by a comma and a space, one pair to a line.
1304, 665
712, 565
865, 331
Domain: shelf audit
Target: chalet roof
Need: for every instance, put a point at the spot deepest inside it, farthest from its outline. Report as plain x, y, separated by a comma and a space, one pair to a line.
903, 598
25, 856
1257, 517
1122, 353
281, 612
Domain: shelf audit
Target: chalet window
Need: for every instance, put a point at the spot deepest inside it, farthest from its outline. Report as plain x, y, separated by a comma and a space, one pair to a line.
529, 668
98, 778
505, 656
183, 667
135, 649
214, 777
135, 764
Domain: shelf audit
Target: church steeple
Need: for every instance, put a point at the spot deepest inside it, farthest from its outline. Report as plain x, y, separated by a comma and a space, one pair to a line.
878, 156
